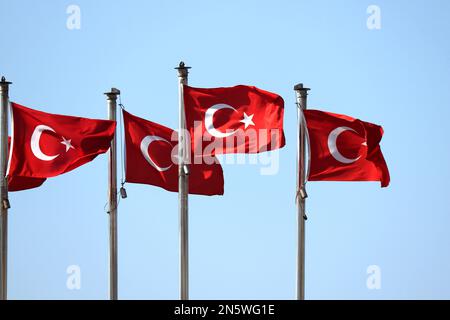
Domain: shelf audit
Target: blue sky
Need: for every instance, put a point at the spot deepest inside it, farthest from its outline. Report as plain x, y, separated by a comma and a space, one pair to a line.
242, 245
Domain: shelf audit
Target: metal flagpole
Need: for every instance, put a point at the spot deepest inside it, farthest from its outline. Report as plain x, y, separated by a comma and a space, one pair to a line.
301, 97
112, 197
183, 184
4, 205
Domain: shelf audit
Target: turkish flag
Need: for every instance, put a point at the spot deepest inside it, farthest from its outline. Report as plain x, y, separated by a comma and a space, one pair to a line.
151, 150
16, 183
240, 119
344, 149
46, 145
22, 183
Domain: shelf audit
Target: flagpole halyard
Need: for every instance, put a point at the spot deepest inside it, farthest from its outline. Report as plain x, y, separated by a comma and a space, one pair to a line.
183, 185
112, 197
301, 97
4, 205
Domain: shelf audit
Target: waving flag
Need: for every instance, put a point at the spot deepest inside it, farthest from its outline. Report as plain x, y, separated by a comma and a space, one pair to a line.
344, 149
240, 119
150, 159
22, 183
46, 145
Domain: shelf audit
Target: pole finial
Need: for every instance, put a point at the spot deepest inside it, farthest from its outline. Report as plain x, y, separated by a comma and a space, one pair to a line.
300, 87
113, 93
182, 70
4, 83
182, 66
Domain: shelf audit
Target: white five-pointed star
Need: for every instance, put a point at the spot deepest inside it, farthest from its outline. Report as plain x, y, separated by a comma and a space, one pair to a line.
67, 143
247, 121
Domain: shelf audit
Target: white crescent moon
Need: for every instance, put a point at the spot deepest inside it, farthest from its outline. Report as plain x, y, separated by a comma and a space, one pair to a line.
145, 143
209, 115
35, 138
333, 147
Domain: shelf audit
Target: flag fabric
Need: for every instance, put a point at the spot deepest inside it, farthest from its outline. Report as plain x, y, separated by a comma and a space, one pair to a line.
46, 145
240, 119
151, 151
23, 183
344, 149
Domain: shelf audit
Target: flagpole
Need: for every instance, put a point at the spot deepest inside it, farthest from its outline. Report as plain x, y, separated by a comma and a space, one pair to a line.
4, 205
183, 185
301, 97
112, 197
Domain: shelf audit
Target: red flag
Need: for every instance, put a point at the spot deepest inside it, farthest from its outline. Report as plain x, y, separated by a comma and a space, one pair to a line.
344, 149
150, 153
239, 119
22, 183
46, 145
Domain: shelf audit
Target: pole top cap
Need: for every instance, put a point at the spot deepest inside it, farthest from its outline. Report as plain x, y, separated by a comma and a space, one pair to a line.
299, 87
113, 92
181, 66
3, 81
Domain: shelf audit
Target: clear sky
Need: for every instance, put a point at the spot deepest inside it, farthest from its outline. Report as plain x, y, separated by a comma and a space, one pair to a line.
242, 245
